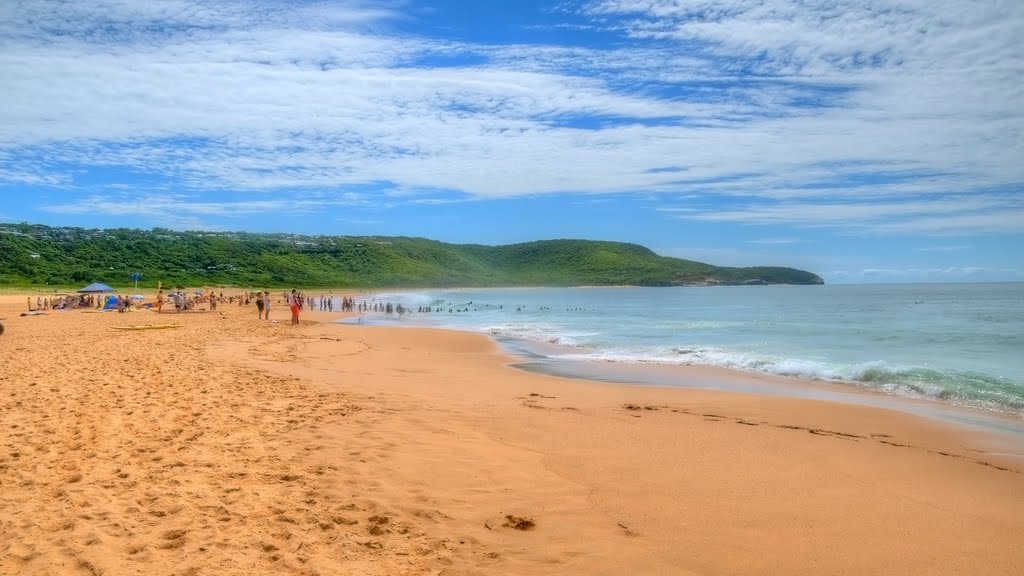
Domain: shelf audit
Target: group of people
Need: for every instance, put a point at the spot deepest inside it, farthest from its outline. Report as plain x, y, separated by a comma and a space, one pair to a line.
297, 302
71, 302
183, 301
65, 302
264, 303
326, 303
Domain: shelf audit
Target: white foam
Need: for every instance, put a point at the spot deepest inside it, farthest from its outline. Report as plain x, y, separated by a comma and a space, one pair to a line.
535, 332
404, 298
699, 356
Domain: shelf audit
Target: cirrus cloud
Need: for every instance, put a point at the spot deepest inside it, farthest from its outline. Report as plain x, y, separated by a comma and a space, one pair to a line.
799, 104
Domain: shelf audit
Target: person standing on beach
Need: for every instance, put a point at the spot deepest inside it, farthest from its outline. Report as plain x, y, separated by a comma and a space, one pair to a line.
159, 301
260, 304
293, 303
266, 303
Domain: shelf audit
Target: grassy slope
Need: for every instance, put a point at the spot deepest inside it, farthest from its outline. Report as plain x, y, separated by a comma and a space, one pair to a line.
76, 256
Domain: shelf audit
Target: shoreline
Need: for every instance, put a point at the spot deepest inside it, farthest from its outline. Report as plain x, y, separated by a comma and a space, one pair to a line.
734, 380
533, 357
234, 446
925, 353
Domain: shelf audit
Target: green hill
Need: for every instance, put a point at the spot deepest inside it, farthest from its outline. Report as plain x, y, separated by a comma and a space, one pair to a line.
34, 254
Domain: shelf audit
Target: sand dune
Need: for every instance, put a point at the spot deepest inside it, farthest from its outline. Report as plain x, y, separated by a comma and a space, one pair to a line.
234, 446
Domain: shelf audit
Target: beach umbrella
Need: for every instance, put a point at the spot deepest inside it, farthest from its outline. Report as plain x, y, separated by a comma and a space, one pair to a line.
95, 288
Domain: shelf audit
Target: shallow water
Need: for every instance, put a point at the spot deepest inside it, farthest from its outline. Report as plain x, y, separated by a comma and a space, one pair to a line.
960, 344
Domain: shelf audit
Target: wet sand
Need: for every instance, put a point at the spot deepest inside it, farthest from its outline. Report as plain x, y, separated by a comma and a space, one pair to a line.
233, 446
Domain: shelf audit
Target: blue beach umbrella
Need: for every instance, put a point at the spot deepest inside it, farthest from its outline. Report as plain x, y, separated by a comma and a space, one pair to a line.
95, 287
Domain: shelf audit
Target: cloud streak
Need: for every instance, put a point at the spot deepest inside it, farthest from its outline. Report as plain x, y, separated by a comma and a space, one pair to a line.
935, 274
943, 215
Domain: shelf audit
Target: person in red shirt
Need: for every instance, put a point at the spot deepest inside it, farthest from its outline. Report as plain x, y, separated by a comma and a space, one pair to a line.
293, 303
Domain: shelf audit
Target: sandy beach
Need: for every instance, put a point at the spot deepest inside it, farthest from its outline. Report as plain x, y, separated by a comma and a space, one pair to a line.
229, 445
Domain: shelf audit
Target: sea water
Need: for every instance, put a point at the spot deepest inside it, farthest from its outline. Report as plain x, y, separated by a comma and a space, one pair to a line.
953, 343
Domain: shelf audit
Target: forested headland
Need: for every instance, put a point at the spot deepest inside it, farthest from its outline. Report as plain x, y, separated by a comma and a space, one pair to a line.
63, 256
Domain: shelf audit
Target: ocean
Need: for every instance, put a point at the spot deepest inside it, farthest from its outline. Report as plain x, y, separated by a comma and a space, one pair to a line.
958, 344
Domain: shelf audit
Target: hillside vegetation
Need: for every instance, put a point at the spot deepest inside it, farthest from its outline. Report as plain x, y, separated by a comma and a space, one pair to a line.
34, 254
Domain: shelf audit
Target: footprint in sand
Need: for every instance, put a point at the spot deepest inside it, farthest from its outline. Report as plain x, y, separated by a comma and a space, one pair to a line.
172, 539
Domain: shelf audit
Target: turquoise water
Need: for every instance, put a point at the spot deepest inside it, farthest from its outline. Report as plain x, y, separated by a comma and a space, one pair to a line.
953, 343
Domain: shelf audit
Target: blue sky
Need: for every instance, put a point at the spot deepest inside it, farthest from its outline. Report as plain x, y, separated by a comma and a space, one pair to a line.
866, 140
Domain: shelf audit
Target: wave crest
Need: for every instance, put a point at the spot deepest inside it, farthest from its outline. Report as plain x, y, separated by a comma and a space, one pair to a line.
961, 387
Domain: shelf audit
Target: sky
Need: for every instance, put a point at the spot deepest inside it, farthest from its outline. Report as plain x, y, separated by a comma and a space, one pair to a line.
864, 140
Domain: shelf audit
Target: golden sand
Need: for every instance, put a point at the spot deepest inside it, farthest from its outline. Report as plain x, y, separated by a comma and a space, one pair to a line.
231, 445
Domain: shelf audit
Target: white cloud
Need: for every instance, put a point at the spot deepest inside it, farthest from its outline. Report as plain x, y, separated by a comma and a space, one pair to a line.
32, 177
933, 274
1010, 221
160, 206
954, 248
771, 241
739, 257
239, 96
361, 221
944, 215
